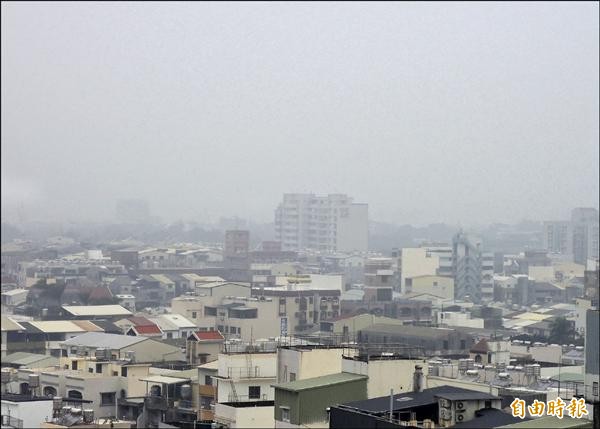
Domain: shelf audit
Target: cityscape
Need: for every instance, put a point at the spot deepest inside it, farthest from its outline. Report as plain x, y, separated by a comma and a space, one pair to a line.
241, 215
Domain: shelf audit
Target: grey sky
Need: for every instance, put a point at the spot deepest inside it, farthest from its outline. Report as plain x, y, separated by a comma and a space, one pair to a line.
429, 112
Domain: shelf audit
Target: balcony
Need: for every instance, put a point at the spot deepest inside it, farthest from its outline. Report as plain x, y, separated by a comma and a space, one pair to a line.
246, 398
11, 422
237, 373
206, 390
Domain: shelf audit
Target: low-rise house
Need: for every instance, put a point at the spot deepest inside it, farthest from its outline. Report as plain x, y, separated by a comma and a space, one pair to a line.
44, 337
443, 406
13, 298
23, 411
459, 318
94, 311
305, 402
428, 341
491, 352
138, 349
28, 360
246, 376
307, 361
9, 328
204, 346
174, 325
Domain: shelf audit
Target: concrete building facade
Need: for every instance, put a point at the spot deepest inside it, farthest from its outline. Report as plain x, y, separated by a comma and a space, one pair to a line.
332, 223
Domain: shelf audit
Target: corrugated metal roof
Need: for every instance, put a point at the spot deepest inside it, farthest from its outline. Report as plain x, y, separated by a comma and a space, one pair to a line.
96, 310
164, 379
23, 358
210, 365
54, 326
8, 324
15, 292
162, 278
316, 382
172, 324
88, 326
101, 339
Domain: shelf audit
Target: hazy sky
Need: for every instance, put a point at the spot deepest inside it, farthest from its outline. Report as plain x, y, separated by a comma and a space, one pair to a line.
428, 112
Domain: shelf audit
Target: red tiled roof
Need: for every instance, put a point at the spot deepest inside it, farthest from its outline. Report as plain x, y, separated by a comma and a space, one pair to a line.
141, 321
100, 293
208, 335
147, 329
480, 347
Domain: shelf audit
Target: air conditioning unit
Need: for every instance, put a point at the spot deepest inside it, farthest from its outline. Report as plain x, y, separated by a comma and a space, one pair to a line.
460, 406
459, 418
444, 403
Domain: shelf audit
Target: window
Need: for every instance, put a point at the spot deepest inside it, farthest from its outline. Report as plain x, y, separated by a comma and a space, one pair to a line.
445, 344
595, 388
49, 391
194, 314
169, 335
91, 370
115, 373
183, 334
74, 365
463, 344
208, 380
254, 392
285, 415
107, 398
99, 368
123, 371
292, 376
488, 404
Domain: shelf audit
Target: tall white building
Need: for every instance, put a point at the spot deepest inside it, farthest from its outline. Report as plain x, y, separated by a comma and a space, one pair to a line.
332, 223
584, 222
557, 237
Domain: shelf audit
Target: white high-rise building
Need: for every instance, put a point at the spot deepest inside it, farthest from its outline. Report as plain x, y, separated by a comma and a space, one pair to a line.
557, 237
585, 223
332, 223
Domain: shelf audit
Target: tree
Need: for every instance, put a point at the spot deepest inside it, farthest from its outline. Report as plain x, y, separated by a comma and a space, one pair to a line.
561, 331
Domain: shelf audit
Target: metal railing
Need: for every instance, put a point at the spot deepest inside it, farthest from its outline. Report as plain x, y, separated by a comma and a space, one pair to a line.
11, 422
237, 373
246, 398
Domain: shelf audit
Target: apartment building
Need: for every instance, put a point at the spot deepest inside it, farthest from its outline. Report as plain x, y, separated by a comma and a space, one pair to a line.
473, 269
584, 224
332, 223
246, 376
557, 237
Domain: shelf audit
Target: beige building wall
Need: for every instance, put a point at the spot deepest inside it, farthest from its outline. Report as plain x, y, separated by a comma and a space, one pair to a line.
415, 262
253, 417
154, 351
307, 363
384, 375
434, 285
